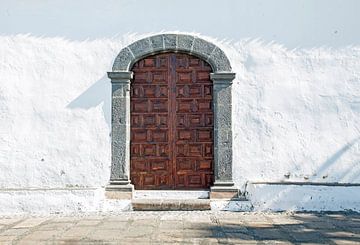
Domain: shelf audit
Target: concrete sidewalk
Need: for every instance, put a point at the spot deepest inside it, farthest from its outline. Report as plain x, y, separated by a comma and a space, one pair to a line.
184, 228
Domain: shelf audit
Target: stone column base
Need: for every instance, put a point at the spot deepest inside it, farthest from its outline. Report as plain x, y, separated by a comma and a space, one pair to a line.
119, 190
224, 190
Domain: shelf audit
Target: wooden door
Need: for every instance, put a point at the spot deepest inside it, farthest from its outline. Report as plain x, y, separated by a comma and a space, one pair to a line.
171, 123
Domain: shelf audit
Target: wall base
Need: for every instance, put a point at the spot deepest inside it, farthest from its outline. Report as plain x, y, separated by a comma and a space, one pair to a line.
223, 190
304, 197
262, 197
123, 195
118, 191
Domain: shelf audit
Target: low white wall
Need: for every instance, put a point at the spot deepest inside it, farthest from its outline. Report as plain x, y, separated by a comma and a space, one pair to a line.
50, 201
296, 116
304, 198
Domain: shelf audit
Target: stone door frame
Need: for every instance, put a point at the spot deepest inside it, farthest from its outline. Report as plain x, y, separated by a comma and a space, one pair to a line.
120, 186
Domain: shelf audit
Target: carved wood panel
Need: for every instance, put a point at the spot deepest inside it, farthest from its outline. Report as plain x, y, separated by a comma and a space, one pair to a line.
171, 123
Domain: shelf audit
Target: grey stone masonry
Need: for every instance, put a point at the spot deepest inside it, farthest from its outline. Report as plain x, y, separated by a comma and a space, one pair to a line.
222, 130
121, 76
172, 42
120, 133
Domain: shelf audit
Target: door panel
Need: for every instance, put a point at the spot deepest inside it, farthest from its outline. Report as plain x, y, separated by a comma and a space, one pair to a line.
171, 123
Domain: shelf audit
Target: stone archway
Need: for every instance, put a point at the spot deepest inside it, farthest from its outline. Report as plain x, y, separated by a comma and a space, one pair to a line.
120, 184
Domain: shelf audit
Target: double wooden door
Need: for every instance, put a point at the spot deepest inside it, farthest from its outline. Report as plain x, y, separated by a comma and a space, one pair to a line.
171, 123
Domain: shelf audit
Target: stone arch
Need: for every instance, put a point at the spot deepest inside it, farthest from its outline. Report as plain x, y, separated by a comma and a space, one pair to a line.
172, 43
121, 75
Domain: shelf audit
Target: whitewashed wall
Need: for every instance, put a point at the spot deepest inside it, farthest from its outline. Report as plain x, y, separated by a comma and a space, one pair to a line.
296, 111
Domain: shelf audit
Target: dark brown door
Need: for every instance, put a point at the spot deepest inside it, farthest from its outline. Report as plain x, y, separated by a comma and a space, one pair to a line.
171, 123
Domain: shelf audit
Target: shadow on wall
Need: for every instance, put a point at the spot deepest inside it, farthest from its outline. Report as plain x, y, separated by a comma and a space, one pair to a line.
322, 171
348, 177
99, 92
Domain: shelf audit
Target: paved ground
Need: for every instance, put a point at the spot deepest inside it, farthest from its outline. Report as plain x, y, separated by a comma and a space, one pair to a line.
184, 228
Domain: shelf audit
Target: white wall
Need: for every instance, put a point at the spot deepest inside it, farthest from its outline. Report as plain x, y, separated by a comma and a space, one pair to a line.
296, 111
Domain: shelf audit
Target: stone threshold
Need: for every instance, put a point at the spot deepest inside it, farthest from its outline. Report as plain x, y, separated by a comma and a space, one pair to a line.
187, 200
190, 205
170, 204
170, 200
171, 194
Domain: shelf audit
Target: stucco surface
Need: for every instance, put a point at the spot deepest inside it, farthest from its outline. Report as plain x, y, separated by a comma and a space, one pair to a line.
304, 198
296, 114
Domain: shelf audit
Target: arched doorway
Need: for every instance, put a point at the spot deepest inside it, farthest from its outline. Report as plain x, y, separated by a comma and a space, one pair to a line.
171, 123
120, 185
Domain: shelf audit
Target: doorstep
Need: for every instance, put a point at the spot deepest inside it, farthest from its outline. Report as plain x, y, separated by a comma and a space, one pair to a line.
170, 200
170, 204
171, 194
175, 200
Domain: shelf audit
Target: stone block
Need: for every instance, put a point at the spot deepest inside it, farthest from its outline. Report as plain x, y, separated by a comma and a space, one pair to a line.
117, 91
185, 42
223, 194
141, 47
135, 232
223, 98
55, 226
120, 76
31, 222
271, 233
219, 60
41, 235
76, 233
119, 159
120, 110
110, 234
171, 194
118, 194
307, 237
123, 60
170, 41
241, 238
157, 43
88, 222
170, 204
7, 239
202, 48
15, 232
171, 225
9, 221
111, 225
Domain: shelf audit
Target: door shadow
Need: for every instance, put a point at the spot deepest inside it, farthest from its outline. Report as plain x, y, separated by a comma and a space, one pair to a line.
99, 92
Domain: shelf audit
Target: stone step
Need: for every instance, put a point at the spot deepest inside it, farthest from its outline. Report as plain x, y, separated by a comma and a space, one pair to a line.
171, 194
170, 204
